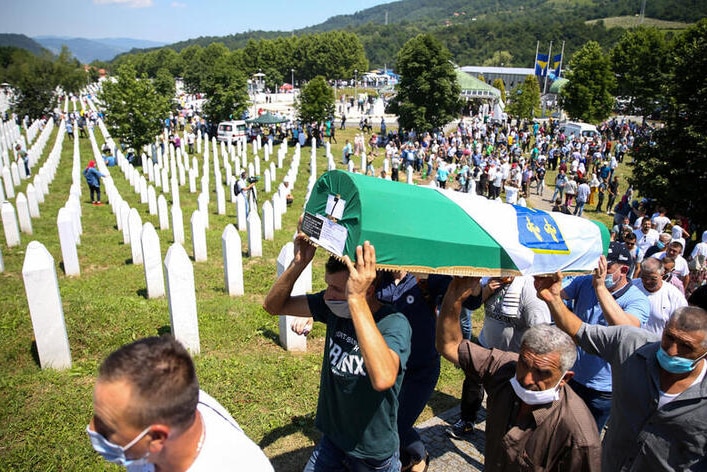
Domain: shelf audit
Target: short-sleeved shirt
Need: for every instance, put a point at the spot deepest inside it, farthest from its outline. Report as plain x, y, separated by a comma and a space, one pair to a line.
664, 302
592, 371
356, 418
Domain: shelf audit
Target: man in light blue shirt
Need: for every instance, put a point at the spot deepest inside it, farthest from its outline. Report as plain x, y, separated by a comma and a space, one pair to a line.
606, 298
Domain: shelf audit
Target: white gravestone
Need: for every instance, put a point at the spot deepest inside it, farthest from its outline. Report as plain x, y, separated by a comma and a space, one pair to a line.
181, 295
163, 212
255, 235
198, 236
152, 261
45, 308
175, 192
151, 200
135, 230
143, 189
241, 213
67, 240
268, 221
32, 201
232, 261
202, 203
192, 180
23, 213
288, 338
220, 200
2, 263
277, 211
124, 214
177, 225
9, 224
8, 183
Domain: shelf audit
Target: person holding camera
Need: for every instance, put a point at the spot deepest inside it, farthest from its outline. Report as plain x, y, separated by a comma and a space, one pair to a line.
243, 187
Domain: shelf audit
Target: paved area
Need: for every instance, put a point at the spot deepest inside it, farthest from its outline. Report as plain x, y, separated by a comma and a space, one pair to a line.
453, 455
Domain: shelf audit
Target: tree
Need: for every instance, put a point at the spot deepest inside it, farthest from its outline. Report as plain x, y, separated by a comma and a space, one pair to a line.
428, 94
671, 167
164, 83
499, 59
640, 63
588, 96
498, 83
226, 91
525, 99
316, 101
134, 110
34, 82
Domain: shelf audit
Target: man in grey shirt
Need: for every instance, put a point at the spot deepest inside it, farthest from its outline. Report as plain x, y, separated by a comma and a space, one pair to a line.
658, 415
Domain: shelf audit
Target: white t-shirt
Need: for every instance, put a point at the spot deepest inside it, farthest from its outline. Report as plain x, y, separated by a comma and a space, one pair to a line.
681, 267
663, 303
225, 447
644, 241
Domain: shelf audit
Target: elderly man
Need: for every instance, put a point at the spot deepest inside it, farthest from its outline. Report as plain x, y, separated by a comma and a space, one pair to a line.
149, 414
510, 308
366, 350
664, 297
659, 407
534, 420
606, 297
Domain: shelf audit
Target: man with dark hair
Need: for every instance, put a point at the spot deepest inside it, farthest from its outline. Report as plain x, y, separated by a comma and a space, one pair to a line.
366, 350
150, 416
659, 407
534, 419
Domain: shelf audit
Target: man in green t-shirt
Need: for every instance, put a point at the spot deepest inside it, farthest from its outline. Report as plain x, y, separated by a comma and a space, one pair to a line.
366, 348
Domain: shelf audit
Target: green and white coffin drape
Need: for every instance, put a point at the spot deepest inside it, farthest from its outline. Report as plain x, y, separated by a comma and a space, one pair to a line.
427, 230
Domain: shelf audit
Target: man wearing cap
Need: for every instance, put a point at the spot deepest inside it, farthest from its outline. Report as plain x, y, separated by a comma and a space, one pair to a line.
607, 297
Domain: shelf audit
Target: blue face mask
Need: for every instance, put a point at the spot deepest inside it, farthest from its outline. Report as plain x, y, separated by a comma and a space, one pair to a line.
676, 364
660, 245
114, 453
609, 281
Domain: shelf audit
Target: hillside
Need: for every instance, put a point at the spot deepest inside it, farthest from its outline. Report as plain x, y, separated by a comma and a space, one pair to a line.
22, 42
89, 50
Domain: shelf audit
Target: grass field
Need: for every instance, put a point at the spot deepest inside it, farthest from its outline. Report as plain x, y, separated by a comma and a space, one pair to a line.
271, 393
634, 21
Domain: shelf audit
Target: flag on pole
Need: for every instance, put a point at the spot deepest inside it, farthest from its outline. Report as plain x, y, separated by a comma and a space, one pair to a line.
541, 61
556, 64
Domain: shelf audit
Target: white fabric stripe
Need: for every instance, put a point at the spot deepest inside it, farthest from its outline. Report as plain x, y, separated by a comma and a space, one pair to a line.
582, 237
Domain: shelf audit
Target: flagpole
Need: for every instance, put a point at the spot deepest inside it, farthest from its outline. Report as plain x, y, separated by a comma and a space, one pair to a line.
562, 58
535, 59
549, 59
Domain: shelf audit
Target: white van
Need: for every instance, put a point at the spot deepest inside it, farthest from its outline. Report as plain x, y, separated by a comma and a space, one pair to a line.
231, 131
579, 130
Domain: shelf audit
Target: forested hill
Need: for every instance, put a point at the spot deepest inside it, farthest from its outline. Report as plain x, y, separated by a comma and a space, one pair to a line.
21, 41
474, 30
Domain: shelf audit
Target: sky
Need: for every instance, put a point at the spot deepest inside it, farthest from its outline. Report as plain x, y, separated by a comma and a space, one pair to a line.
167, 21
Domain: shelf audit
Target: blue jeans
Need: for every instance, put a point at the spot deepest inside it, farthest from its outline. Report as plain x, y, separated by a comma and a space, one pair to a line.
599, 403
326, 457
579, 209
418, 385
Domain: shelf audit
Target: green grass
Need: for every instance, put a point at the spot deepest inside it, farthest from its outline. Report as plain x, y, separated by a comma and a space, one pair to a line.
634, 21
271, 393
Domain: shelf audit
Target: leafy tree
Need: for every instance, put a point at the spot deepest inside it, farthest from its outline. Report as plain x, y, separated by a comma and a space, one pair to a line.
671, 167
315, 101
226, 91
69, 72
164, 83
134, 110
588, 96
640, 62
428, 94
499, 59
498, 83
34, 82
525, 98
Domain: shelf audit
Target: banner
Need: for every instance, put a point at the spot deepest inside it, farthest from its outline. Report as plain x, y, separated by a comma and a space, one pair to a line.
556, 64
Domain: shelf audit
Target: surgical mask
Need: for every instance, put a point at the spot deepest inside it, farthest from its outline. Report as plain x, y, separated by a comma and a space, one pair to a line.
676, 364
660, 245
114, 453
339, 307
536, 397
609, 281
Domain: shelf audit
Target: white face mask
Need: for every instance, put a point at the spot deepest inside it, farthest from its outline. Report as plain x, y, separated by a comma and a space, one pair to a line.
339, 307
534, 397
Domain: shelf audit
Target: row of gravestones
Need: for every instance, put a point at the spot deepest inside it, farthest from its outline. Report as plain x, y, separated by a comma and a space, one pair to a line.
232, 272
40, 274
